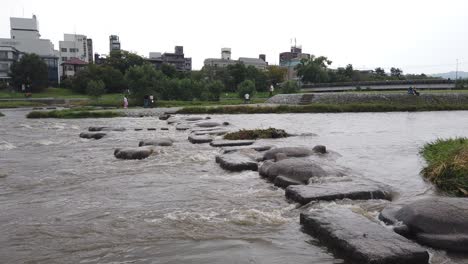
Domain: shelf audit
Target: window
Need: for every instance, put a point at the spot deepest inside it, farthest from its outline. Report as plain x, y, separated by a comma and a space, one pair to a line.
3, 54
73, 50
3, 67
64, 58
63, 49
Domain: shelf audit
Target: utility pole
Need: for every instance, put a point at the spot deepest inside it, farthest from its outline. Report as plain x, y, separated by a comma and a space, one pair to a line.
456, 72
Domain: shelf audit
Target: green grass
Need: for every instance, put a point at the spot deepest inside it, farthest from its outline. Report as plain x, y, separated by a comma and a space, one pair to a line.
322, 108
256, 134
447, 165
70, 113
16, 104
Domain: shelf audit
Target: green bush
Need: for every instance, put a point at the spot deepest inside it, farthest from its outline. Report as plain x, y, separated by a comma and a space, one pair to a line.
95, 88
289, 87
246, 87
256, 134
72, 114
447, 165
214, 88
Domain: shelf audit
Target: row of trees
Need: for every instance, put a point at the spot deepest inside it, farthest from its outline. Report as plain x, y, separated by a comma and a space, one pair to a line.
125, 71
316, 70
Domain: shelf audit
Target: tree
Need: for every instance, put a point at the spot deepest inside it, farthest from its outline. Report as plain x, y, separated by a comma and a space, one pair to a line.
349, 71
113, 79
396, 72
236, 74
290, 87
276, 74
95, 88
246, 87
380, 72
30, 70
214, 89
144, 80
313, 70
169, 70
122, 60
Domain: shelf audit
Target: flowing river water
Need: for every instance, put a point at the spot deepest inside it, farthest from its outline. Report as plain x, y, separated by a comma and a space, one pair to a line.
64, 199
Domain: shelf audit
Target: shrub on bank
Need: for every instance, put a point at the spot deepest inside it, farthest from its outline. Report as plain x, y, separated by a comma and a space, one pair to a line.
322, 108
256, 134
72, 114
447, 165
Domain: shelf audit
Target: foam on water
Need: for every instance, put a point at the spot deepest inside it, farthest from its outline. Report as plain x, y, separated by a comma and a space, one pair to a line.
4, 145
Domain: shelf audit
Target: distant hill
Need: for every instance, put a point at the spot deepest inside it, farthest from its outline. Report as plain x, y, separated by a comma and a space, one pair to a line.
451, 75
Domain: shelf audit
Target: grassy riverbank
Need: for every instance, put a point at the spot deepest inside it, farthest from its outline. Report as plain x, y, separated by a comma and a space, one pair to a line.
447, 165
322, 108
18, 104
70, 113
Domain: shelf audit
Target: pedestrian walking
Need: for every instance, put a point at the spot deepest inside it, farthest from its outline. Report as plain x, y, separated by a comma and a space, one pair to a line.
125, 102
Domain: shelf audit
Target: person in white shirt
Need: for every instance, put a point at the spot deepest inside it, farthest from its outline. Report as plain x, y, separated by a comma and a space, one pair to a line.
246, 98
272, 89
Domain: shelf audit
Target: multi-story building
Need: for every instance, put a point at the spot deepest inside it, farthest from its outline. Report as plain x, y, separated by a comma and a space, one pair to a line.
114, 43
225, 60
74, 46
177, 59
8, 55
25, 38
291, 59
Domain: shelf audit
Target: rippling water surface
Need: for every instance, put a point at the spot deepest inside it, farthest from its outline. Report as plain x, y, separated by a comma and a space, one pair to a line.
64, 199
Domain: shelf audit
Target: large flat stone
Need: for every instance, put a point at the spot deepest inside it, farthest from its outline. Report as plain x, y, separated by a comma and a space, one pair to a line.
356, 238
216, 132
231, 143
329, 191
94, 129
236, 162
181, 127
199, 139
254, 147
89, 135
164, 142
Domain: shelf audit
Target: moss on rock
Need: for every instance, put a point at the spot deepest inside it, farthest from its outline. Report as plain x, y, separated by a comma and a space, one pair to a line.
256, 134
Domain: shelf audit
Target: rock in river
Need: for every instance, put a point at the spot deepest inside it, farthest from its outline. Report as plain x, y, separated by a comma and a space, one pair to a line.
208, 124
254, 147
291, 171
92, 129
328, 191
237, 161
165, 142
439, 222
182, 127
288, 151
92, 135
356, 238
194, 139
231, 143
133, 153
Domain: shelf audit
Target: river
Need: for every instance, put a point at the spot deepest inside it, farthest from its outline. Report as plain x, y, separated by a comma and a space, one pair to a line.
64, 199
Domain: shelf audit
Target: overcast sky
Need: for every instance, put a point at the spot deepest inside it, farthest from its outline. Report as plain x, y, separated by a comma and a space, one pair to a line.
417, 36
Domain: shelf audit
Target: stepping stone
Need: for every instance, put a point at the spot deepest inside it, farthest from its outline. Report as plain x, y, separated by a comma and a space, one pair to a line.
295, 152
254, 147
51, 108
329, 191
181, 127
164, 117
231, 143
92, 135
164, 128
194, 130
356, 238
138, 129
164, 142
292, 171
213, 132
199, 139
151, 129
195, 118
208, 124
93, 129
236, 162
133, 153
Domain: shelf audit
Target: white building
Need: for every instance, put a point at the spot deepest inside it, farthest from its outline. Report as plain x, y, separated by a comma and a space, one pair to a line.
75, 46
225, 61
25, 38
8, 55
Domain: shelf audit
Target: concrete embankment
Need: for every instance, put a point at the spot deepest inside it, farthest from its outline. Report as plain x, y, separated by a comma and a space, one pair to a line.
356, 98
